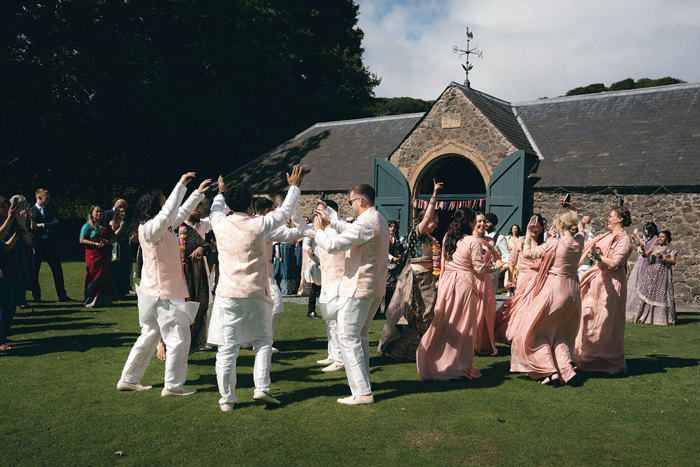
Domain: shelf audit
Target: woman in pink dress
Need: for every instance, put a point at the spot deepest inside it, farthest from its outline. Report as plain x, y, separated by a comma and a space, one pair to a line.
446, 350
545, 336
600, 342
484, 340
507, 314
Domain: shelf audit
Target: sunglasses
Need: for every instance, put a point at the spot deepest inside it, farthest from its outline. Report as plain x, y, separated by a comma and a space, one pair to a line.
353, 200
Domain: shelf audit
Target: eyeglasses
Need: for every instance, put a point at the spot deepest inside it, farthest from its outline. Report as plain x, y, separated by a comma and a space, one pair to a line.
353, 200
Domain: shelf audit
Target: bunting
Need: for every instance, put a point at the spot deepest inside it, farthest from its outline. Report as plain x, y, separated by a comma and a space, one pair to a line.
476, 204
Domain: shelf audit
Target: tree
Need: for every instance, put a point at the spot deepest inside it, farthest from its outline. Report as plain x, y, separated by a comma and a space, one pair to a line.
105, 98
628, 83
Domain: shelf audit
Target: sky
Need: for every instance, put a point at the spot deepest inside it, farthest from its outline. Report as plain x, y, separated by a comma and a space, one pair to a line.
531, 48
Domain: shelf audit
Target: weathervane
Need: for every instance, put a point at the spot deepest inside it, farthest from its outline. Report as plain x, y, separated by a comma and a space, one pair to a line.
467, 52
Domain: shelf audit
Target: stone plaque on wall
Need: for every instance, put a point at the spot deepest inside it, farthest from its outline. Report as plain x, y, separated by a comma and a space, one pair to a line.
451, 121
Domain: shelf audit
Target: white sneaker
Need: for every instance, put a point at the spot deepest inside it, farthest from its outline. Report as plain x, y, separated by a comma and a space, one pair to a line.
226, 407
333, 367
265, 397
124, 386
179, 392
357, 400
325, 361
275, 350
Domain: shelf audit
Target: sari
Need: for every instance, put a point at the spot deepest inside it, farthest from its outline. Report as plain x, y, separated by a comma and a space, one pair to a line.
197, 281
98, 266
600, 343
638, 272
653, 302
285, 268
410, 311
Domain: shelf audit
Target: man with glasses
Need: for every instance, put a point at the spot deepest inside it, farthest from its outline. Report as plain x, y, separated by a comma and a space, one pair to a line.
366, 246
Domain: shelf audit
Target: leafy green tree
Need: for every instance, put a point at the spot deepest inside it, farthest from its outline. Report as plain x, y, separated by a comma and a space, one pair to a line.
101, 98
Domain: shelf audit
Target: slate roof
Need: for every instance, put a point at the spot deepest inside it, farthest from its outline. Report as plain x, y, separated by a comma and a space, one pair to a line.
500, 114
645, 137
335, 155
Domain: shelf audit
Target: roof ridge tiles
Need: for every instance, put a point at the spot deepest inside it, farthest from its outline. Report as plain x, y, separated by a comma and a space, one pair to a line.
609, 94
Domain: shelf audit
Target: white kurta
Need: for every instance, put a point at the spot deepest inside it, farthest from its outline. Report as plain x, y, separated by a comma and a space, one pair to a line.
242, 315
167, 318
366, 246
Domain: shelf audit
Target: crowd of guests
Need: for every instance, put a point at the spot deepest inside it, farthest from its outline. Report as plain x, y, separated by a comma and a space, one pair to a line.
568, 289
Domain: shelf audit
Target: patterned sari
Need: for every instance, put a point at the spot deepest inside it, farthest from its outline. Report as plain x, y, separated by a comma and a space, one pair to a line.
654, 302
197, 282
98, 268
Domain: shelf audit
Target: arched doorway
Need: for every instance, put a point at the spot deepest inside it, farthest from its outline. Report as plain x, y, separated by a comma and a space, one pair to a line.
462, 182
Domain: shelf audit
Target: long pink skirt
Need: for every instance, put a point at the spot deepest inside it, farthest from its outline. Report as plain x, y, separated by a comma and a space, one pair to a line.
508, 315
545, 336
484, 341
446, 350
600, 343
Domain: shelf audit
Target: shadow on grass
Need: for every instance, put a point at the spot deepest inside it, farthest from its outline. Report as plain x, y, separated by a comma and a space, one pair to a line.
72, 343
687, 318
33, 320
657, 364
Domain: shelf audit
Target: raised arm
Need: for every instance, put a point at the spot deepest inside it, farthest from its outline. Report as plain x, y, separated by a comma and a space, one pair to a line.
430, 212
355, 235
192, 202
154, 229
279, 216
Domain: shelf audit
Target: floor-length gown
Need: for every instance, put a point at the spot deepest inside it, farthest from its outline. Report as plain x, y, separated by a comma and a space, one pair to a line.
600, 341
484, 341
653, 302
545, 336
446, 350
508, 315
638, 271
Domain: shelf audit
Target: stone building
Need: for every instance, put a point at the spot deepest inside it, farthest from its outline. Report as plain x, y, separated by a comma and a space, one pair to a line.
639, 147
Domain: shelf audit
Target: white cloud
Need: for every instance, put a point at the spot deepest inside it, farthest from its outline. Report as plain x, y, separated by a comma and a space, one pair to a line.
531, 49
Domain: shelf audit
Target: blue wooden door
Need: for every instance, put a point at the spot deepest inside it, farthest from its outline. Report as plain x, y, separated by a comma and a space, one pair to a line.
392, 194
506, 191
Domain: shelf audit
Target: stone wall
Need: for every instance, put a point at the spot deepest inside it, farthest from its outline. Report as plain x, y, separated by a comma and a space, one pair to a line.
453, 125
679, 213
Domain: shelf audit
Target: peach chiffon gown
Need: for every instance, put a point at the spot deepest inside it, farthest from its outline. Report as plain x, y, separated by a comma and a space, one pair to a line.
484, 339
510, 312
600, 343
545, 335
446, 350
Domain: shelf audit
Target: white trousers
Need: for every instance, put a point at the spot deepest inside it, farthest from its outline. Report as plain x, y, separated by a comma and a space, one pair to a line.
329, 312
166, 319
235, 321
354, 318
277, 305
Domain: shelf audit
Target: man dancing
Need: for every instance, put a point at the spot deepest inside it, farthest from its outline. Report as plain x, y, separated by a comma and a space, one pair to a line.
243, 308
366, 243
163, 311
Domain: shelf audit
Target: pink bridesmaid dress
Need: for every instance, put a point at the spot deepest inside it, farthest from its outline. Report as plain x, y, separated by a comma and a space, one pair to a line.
446, 350
484, 340
600, 343
510, 312
546, 333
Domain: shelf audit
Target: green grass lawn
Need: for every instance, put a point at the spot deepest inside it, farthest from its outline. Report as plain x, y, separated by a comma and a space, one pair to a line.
60, 405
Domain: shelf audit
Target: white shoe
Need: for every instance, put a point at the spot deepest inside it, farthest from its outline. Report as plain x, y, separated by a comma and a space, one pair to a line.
179, 392
265, 397
226, 407
124, 386
357, 400
333, 367
325, 361
275, 350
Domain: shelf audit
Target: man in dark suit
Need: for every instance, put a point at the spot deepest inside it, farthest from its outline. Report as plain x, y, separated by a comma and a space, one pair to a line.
120, 203
45, 245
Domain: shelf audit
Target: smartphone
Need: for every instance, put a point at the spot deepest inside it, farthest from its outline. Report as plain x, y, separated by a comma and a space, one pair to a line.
635, 231
14, 202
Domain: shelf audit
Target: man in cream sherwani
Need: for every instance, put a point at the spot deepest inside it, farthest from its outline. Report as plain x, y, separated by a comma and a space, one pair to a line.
366, 246
332, 267
242, 309
163, 312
